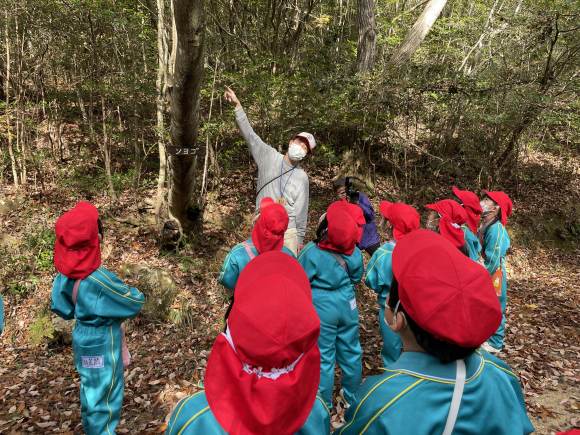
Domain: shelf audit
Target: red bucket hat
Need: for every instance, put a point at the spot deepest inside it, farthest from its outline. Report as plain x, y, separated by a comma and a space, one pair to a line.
343, 230
470, 203
452, 217
445, 292
504, 202
268, 232
76, 251
403, 217
263, 373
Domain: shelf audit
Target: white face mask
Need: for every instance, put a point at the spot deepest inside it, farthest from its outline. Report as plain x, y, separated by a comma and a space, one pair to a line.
434, 228
486, 209
296, 153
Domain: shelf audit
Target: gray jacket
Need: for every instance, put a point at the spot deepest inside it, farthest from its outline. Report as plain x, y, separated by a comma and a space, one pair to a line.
270, 163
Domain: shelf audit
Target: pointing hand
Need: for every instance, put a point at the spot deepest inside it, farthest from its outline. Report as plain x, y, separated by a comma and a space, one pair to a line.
230, 96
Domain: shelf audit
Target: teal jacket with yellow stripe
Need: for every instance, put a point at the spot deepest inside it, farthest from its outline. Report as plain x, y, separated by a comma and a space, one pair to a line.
102, 299
193, 416
379, 275
472, 243
414, 394
497, 242
235, 262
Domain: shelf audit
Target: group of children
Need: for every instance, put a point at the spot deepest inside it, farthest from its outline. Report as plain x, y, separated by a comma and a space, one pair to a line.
442, 298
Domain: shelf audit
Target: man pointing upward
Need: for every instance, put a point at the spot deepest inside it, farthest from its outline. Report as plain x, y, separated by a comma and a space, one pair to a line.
279, 176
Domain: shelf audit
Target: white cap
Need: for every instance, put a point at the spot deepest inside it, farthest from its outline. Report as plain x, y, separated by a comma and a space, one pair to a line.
309, 138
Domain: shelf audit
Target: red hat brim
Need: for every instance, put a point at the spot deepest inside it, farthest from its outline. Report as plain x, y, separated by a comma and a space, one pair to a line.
278, 407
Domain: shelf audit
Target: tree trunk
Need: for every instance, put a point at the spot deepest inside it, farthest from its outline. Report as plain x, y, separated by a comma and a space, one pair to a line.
417, 33
159, 103
7, 91
190, 25
367, 36
106, 148
357, 160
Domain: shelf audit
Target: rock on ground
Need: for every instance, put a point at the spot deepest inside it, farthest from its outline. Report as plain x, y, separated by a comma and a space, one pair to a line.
158, 285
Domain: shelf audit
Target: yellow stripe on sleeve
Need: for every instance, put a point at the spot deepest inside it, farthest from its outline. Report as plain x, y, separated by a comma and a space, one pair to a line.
179, 410
223, 272
389, 404
372, 267
320, 398
365, 398
123, 296
304, 251
191, 419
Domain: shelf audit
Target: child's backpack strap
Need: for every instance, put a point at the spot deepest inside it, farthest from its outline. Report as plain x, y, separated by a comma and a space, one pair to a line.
456, 399
340, 261
75, 291
249, 250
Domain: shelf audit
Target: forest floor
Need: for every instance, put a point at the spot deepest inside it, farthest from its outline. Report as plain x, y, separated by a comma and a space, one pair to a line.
39, 387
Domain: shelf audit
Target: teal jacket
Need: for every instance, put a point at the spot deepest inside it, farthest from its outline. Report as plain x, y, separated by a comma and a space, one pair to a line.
236, 261
192, 416
414, 394
379, 274
497, 242
325, 273
102, 299
472, 243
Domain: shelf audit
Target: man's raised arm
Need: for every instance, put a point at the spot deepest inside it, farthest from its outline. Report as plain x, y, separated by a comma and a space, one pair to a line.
261, 151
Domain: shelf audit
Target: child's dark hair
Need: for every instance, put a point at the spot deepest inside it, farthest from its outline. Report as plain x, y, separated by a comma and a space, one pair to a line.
339, 182
100, 227
497, 218
446, 352
454, 197
463, 249
321, 231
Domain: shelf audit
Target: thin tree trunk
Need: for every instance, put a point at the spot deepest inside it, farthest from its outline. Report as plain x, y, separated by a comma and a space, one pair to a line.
201, 201
106, 148
190, 24
159, 89
417, 33
367, 36
173, 42
7, 88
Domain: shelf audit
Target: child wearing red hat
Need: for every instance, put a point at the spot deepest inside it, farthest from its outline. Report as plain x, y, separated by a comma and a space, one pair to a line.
494, 239
267, 235
398, 220
443, 306
263, 371
334, 265
100, 302
446, 218
470, 202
